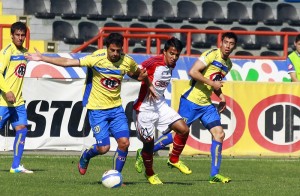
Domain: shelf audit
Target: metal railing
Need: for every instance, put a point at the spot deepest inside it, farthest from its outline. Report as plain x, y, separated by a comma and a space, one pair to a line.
160, 33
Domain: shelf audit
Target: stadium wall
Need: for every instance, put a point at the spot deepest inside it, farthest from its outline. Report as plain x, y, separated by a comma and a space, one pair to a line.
58, 122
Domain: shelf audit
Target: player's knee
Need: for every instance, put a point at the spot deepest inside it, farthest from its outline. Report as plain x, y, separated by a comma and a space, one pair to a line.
123, 144
103, 149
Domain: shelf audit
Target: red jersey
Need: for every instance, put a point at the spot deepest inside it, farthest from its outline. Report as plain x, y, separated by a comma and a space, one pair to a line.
160, 75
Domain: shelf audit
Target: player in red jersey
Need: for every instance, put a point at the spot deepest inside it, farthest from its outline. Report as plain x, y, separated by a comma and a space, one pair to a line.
152, 115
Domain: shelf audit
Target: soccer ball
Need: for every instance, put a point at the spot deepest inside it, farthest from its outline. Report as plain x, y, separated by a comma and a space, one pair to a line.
112, 179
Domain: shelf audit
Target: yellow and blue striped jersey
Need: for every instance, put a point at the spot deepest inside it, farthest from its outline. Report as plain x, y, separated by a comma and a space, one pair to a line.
216, 69
103, 81
12, 70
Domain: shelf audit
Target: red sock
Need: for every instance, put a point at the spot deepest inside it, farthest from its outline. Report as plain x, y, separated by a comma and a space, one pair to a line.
178, 145
147, 154
148, 162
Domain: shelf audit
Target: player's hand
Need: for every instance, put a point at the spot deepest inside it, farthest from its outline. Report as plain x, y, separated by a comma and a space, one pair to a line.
217, 85
152, 96
37, 56
222, 106
10, 97
143, 74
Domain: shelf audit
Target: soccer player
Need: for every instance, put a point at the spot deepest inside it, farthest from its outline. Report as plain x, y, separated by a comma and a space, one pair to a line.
12, 106
152, 115
293, 61
206, 77
106, 68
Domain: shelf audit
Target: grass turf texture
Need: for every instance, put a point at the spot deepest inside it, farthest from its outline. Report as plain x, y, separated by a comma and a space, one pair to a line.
58, 175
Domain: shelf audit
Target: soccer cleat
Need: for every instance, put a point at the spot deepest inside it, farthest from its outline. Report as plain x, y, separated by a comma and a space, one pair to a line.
20, 169
219, 178
83, 164
181, 166
153, 179
139, 161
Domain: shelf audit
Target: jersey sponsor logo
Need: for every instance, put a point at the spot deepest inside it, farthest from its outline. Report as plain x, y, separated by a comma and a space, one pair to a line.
20, 70
233, 122
110, 83
161, 83
274, 123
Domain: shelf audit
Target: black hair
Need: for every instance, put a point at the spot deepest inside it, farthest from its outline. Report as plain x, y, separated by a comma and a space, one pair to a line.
18, 26
297, 38
114, 38
173, 42
230, 35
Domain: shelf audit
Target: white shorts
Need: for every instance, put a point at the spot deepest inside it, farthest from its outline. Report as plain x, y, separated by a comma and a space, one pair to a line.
160, 119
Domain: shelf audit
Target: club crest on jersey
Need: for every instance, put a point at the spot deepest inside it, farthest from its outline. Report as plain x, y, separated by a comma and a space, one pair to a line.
218, 76
97, 129
20, 70
110, 83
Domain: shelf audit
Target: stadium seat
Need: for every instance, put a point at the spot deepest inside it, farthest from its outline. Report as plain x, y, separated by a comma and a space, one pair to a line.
288, 13
112, 24
262, 12
213, 12
246, 41
63, 31
197, 41
212, 38
269, 41
113, 9
291, 39
165, 26
133, 41
187, 10
268, 53
194, 52
243, 53
88, 8
139, 50
87, 30
163, 10
89, 49
37, 8
138, 9
64, 9
238, 12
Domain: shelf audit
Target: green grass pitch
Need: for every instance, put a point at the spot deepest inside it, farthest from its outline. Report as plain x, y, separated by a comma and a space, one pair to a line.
58, 175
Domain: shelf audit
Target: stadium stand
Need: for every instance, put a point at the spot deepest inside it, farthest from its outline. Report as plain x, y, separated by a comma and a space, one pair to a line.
280, 16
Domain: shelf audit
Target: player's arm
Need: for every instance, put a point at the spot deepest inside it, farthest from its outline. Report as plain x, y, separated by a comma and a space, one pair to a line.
10, 97
294, 77
142, 75
60, 61
195, 73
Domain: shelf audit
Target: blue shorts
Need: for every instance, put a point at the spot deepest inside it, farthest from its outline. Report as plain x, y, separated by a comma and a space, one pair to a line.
108, 122
16, 115
208, 115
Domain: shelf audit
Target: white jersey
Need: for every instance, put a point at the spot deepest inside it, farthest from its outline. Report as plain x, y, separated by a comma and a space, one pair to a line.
160, 76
